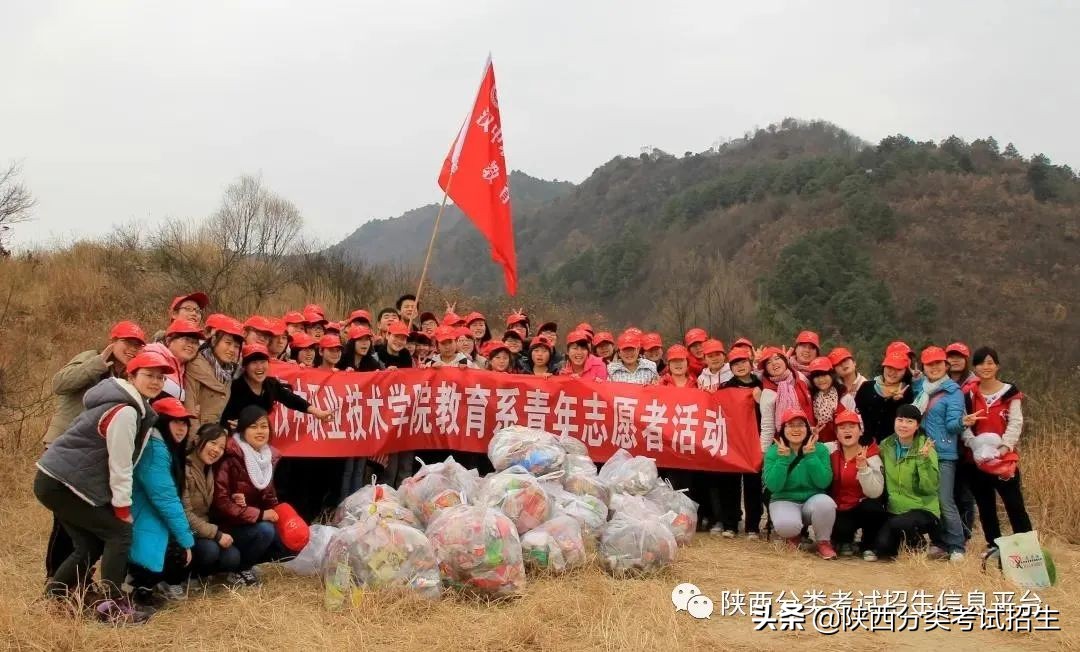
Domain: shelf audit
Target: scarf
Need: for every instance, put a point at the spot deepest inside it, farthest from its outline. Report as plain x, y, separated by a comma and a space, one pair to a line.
879, 386
928, 390
825, 404
786, 398
259, 463
224, 373
803, 369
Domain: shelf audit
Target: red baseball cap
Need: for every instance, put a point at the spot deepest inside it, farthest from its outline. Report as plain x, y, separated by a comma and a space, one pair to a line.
302, 341
473, 316
517, 318
769, 353
333, 327
445, 333
277, 326
900, 346
453, 319
808, 337
198, 297
838, 355
791, 414
252, 352
315, 308
577, 337
259, 323
540, 340
603, 337
695, 336
652, 341
229, 326
958, 348
127, 330
819, 364
629, 340
171, 407
895, 359
677, 352
398, 328
183, 327
712, 346
847, 416
463, 331
933, 354
739, 353
294, 317
359, 332
148, 360
742, 341
584, 326
313, 317
491, 347
360, 315
330, 342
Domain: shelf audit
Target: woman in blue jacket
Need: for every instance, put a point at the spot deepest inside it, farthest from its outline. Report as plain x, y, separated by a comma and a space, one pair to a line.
161, 538
941, 401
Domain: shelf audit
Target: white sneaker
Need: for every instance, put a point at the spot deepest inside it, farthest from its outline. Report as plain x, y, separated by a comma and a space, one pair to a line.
956, 556
716, 529
869, 555
753, 536
172, 592
728, 534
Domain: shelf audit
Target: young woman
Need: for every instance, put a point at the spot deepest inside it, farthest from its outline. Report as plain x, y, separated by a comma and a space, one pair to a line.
244, 495
85, 478
208, 378
781, 390
316, 323
942, 404
188, 307
330, 350
279, 343
179, 347
304, 350
911, 484
652, 346
580, 363
213, 551
69, 385
878, 401
604, 346
419, 346
478, 327
807, 347
733, 487
360, 351
294, 323
846, 370
828, 396
957, 356
994, 406
716, 370
858, 483
515, 341
161, 540
466, 345
694, 340
256, 387
677, 373
540, 357
498, 356
798, 473
630, 367
257, 330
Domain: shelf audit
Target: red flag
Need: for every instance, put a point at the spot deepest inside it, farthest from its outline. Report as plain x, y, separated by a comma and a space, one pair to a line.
474, 175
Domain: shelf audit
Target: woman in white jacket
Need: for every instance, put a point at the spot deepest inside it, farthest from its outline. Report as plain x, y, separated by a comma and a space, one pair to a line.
858, 483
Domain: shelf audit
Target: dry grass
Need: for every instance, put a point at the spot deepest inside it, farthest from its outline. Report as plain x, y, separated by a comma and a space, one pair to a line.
59, 304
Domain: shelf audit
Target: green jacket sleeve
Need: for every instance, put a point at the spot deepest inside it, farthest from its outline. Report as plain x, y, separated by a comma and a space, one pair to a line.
819, 467
81, 373
927, 473
776, 469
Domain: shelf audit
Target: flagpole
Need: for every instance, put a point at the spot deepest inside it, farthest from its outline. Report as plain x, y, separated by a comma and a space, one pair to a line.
434, 233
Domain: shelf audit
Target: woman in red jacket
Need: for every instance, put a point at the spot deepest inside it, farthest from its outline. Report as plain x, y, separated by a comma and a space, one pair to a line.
244, 495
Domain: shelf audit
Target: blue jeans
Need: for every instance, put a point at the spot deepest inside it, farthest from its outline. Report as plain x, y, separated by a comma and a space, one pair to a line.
950, 532
208, 558
254, 542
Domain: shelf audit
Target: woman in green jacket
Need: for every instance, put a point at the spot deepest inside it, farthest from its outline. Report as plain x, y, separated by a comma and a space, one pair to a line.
797, 474
911, 482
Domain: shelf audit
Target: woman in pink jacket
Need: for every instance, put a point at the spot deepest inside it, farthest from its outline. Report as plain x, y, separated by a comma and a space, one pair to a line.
579, 362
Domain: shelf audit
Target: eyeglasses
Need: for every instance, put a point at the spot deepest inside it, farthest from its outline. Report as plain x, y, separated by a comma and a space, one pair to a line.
152, 375
194, 310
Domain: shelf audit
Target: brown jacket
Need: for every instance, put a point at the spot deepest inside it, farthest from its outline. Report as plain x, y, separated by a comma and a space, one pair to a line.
69, 384
198, 496
204, 393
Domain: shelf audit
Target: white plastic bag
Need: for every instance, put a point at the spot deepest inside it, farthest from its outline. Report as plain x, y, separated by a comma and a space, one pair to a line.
536, 451
1024, 562
628, 474
310, 559
635, 546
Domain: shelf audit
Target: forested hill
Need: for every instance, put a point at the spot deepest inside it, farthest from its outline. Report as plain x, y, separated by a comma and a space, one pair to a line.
803, 224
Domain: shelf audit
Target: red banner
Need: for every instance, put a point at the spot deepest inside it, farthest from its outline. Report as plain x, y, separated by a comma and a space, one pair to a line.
459, 409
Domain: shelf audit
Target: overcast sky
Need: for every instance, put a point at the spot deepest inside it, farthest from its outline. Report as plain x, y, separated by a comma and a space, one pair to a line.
144, 110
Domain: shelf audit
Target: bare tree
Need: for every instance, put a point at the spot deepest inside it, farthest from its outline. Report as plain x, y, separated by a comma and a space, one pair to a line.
16, 203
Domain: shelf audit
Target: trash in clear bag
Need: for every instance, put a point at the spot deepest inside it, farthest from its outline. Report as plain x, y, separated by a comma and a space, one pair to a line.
478, 550
310, 560
628, 474
377, 554
519, 494
580, 465
572, 445
536, 451
586, 485
630, 546
680, 511
590, 512
436, 487
373, 500
556, 545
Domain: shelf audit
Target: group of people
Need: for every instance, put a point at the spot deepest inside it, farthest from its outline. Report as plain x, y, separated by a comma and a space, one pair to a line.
159, 466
